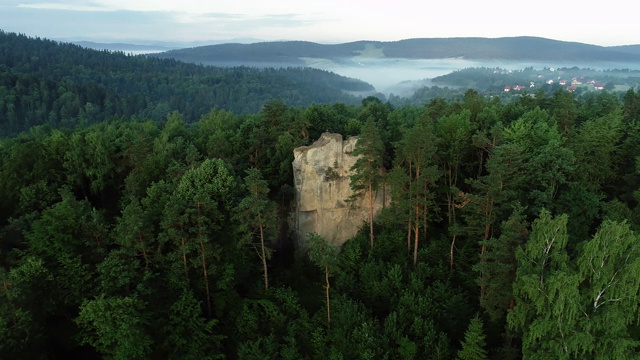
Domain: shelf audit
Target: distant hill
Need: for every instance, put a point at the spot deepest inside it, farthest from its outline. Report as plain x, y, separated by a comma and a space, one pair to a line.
631, 49
149, 46
280, 52
45, 82
508, 48
124, 47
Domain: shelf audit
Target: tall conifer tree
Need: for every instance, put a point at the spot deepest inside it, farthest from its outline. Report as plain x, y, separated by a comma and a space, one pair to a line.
367, 174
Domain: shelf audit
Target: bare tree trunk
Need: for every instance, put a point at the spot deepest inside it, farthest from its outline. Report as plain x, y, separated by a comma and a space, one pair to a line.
371, 213
204, 263
453, 244
206, 278
452, 179
416, 224
416, 233
483, 249
480, 162
409, 227
327, 287
184, 255
264, 258
425, 213
449, 195
409, 223
452, 225
184, 258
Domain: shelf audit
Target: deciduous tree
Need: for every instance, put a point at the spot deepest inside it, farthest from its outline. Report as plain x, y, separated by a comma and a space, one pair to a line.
115, 326
325, 256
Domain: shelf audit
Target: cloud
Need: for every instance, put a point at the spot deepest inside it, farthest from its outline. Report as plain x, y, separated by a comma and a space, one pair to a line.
222, 16
287, 20
220, 26
192, 18
268, 20
64, 5
314, 20
102, 26
117, 20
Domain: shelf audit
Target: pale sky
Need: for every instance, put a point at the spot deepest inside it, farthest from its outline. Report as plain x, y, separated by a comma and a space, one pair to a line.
328, 21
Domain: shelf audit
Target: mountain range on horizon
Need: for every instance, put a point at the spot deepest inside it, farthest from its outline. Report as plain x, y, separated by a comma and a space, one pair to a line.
142, 45
292, 51
470, 48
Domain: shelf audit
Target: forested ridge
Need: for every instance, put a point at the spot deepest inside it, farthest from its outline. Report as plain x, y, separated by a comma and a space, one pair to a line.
512, 234
505, 48
44, 82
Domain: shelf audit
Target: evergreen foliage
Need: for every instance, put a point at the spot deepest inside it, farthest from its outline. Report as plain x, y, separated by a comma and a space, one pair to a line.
59, 84
131, 238
474, 343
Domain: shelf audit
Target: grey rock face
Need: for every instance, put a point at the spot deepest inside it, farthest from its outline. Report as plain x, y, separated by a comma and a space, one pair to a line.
321, 174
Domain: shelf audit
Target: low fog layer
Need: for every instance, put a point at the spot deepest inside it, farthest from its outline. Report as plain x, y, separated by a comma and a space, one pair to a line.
386, 74
403, 76
399, 66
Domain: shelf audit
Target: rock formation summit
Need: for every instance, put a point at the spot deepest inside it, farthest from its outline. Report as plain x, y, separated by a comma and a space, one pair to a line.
322, 174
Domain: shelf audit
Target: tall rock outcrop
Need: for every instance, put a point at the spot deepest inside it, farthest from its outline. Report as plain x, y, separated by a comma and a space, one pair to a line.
322, 174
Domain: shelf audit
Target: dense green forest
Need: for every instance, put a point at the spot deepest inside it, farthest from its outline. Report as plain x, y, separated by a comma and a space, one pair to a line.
513, 233
44, 82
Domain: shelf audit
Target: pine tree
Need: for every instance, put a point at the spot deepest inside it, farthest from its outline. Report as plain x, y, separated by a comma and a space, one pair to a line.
497, 268
257, 215
454, 134
473, 344
366, 172
417, 155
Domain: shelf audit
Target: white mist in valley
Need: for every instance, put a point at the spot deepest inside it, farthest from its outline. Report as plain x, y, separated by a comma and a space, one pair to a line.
403, 76
389, 74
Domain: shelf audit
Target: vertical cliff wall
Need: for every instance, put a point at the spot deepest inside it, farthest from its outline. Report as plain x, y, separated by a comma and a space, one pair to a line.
321, 174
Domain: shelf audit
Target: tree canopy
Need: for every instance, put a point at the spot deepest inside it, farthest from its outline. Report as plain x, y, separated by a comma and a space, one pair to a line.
512, 232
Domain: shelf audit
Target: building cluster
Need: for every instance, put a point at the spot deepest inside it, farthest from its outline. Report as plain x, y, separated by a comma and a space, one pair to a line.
570, 85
